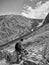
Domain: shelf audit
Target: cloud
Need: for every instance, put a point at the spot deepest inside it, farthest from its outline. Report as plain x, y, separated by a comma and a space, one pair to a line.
39, 11
38, 4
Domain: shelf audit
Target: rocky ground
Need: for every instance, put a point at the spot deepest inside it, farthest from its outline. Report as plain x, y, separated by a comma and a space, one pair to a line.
37, 44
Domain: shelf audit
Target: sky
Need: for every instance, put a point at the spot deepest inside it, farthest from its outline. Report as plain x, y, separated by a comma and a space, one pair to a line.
28, 8
10, 6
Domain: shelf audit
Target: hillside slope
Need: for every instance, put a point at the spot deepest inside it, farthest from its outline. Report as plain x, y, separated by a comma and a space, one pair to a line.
14, 26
